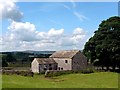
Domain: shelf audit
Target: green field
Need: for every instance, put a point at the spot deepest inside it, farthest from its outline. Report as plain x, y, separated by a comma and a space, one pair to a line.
0, 81
94, 80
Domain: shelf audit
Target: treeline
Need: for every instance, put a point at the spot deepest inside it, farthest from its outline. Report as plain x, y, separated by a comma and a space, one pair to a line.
14, 59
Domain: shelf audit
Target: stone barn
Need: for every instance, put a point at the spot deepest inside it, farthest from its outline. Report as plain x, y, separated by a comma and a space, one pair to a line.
70, 60
60, 60
43, 64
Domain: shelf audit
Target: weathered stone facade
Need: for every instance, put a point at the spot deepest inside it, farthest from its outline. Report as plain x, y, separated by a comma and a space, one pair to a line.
61, 60
44, 67
35, 66
64, 63
79, 62
43, 64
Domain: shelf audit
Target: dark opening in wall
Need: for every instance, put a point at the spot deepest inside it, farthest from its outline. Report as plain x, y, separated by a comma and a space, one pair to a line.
66, 61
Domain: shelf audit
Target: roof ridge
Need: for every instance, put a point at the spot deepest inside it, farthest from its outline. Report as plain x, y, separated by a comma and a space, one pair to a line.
45, 60
64, 53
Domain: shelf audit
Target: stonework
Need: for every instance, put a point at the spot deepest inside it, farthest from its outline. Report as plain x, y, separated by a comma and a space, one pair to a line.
60, 60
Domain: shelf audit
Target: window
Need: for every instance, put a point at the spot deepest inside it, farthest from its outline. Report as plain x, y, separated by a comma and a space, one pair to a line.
55, 67
50, 68
45, 69
66, 61
61, 68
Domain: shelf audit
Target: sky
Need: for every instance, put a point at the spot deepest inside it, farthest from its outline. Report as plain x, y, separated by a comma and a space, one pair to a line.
51, 25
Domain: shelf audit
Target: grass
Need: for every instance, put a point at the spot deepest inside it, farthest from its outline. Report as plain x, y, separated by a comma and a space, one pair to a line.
0, 81
94, 80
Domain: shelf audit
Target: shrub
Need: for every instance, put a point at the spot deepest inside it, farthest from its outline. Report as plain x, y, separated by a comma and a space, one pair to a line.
87, 71
52, 73
43, 72
23, 73
7, 68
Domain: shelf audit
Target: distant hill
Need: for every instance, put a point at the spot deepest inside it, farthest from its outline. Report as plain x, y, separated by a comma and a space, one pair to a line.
39, 52
30, 52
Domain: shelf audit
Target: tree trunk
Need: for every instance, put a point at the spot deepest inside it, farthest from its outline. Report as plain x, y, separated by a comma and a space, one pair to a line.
113, 68
102, 67
107, 68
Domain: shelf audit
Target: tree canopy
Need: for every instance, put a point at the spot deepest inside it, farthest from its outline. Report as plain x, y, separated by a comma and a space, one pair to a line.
103, 49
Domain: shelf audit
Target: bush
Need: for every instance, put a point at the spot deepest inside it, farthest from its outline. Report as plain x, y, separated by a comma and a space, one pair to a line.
53, 73
23, 73
4, 63
43, 72
87, 71
7, 68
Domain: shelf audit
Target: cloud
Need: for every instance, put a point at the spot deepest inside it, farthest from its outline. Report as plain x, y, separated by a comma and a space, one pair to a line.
67, 7
66, 41
22, 31
73, 3
79, 16
8, 10
53, 32
74, 11
79, 31
24, 36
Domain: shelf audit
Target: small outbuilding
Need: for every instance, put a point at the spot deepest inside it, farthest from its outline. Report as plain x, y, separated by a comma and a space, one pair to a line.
43, 64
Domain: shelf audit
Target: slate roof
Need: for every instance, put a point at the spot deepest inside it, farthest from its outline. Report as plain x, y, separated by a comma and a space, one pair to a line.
45, 60
64, 54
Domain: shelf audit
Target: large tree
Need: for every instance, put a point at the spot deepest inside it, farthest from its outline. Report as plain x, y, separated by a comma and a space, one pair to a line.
103, 48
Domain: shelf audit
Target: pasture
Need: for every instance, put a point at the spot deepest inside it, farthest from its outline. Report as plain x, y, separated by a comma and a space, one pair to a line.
93, 80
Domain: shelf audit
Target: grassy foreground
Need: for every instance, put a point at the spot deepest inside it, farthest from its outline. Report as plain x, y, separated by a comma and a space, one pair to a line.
94, 80
0, 81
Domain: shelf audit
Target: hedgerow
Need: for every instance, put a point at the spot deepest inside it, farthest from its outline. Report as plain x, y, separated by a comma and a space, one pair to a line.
53, 73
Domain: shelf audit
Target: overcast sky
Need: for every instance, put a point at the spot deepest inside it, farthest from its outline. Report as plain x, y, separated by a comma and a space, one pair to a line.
51, 25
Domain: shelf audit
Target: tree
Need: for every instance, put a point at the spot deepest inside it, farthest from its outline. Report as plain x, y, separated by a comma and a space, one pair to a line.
10, 58
4, 62
105, 44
